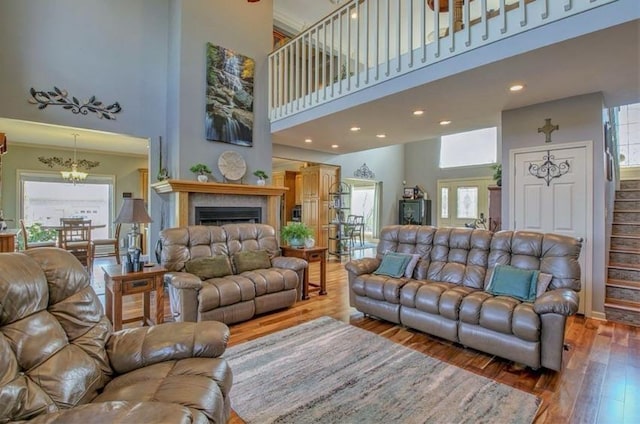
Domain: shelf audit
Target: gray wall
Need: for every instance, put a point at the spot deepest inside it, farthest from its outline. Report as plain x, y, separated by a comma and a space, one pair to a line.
422, 166
580, 119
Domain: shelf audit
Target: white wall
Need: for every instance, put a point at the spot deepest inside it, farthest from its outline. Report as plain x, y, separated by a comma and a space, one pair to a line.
580, 119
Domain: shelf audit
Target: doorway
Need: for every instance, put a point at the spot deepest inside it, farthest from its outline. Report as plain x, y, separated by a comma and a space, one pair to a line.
562, 204
365, 202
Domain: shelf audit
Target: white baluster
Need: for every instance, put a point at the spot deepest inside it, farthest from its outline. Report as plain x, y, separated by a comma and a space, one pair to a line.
545, 14
423, 30
503, 14
523, 13
484, 20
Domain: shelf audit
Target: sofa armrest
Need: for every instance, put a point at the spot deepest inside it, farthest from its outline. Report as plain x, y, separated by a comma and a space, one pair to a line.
362, 266
138, 347
560, 301
183, 280
295, 264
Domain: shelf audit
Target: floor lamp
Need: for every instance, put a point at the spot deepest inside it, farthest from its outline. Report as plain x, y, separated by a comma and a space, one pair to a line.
134, 212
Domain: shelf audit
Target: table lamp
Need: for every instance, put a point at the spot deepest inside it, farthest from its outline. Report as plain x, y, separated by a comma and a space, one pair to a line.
133, 212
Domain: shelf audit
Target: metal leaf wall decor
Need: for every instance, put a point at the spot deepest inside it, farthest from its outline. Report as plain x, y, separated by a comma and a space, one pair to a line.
364, 172
66, 163
60, 97
548, 170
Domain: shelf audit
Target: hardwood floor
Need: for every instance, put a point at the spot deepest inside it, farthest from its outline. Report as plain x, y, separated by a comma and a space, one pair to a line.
600, 381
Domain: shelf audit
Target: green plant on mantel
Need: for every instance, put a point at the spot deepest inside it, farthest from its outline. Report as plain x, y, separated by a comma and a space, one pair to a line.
295, 233
200, 168
497, 173
260, 174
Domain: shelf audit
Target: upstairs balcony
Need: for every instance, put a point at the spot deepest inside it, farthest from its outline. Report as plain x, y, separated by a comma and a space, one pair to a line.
367, 42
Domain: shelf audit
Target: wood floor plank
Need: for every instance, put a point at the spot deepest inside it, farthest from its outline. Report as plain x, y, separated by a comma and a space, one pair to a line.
599, 382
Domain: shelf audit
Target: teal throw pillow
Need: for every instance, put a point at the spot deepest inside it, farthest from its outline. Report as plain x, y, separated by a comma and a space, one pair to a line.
519, 283
393, 264
209, 267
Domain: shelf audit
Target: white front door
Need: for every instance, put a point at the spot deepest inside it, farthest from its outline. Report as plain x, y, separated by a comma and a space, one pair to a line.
550, 193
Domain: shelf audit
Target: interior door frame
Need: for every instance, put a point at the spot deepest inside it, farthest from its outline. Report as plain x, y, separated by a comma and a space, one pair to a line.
587, 243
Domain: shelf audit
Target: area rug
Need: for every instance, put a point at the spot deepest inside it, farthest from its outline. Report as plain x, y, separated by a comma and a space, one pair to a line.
365, 245
326, 371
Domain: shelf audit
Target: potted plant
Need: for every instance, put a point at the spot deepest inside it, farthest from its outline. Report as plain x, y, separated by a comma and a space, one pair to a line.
262, 176
201, 170
497, 173
296, 233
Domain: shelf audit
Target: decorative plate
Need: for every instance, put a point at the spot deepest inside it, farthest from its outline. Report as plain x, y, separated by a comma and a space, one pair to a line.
232, 165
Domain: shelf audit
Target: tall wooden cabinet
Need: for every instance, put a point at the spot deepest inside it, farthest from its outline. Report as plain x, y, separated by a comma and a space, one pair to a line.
316, 182
495, 208
287, 179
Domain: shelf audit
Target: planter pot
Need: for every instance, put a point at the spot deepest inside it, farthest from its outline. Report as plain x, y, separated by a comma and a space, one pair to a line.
202, 178
261, 181
296, 242
309, 242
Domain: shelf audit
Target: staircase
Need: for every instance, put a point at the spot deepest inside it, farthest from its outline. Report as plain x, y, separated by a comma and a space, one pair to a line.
622, 301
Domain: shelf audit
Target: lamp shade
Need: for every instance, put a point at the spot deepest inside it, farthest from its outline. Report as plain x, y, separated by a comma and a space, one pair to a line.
133, 211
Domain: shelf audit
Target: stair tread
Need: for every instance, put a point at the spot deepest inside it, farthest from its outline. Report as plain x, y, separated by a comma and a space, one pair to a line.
626, 223
622, 304
625, 236
619, 265
623, 283
624, 250
627, 200
628, 189
628, 210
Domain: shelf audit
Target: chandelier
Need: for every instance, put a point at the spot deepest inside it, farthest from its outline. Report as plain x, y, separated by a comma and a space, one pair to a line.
74, 175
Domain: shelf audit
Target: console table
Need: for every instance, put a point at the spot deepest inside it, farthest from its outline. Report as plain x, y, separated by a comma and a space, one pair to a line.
312, 254
8, 240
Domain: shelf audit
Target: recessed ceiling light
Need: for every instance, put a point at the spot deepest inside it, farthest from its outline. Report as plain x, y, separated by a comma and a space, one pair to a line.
418, 112
354, 129
516, 87
334, 146
381, 135
445, 122
307, 140
354, 15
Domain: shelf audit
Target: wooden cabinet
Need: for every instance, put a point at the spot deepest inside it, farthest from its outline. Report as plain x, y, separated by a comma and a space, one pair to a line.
298, 186
287, 179
316, 182
495, 208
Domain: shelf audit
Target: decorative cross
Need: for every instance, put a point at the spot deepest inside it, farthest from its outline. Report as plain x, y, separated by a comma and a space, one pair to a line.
547, 129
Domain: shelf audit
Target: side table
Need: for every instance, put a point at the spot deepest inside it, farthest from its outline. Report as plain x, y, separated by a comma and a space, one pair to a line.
313, 254
120, 283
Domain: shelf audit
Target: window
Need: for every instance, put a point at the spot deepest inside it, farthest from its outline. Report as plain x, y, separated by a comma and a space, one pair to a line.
46, 198
629, 135
462, 201
444, 202
467, 200
477, 147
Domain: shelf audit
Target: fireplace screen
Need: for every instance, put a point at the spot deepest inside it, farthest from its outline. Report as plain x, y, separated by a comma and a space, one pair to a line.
227, 215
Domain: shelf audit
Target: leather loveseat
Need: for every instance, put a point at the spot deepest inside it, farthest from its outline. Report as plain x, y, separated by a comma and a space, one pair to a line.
446, 297
60, 362
236, 295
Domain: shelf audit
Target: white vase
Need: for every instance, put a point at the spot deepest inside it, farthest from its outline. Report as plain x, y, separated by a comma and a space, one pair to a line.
202, 178
309, 242
261, 181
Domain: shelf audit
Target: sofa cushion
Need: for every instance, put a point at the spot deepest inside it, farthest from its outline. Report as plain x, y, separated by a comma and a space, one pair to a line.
510, 281
542, 285
248, 260
379, 287
393, 264
217, 292
438, 298
209, 267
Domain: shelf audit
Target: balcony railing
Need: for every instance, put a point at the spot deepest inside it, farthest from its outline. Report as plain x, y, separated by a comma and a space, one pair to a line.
367, 42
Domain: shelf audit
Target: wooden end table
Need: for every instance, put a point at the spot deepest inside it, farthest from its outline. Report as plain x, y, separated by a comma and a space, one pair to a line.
313, 254
120, 283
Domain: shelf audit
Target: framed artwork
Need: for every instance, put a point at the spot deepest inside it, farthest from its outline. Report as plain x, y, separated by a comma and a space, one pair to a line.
407, 193
229, 97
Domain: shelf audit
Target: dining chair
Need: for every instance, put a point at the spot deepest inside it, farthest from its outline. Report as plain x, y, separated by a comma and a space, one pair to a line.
355, 226
76, 238
32, 244
104, 248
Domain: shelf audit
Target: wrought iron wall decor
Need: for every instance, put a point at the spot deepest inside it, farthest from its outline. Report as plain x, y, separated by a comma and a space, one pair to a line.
364, 172
549, 170
60, 97
66, 163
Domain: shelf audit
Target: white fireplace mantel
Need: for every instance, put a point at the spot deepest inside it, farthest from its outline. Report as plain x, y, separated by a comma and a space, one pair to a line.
183, 188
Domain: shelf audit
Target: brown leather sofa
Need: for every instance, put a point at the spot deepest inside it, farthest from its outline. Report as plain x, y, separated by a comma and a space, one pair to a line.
231, 298
60, 362
446, 294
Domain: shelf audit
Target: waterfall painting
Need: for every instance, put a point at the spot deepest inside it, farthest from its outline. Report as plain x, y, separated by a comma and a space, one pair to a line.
229, 109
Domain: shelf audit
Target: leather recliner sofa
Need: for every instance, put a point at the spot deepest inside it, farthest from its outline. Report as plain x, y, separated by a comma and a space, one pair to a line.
446, 296
60, 362
235, 297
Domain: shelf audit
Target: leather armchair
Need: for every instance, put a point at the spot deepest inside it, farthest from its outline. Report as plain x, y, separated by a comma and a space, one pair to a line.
60, 361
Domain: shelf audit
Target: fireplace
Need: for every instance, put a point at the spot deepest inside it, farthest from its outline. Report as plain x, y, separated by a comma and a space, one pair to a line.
220, 215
